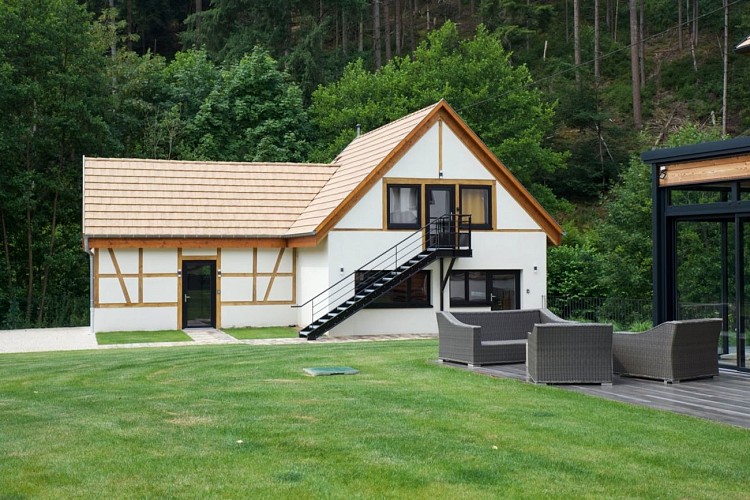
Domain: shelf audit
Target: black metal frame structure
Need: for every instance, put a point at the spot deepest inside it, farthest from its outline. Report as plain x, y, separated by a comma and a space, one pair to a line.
733, 208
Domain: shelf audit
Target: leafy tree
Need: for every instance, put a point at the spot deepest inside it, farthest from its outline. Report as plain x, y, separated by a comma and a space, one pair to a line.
624, 236
52, 104
474, 75
253, 113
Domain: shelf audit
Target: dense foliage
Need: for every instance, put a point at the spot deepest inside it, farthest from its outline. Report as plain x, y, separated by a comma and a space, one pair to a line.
289, 81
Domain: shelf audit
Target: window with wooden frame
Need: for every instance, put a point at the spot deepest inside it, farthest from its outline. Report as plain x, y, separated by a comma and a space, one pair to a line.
408, 204
404, 206
477, 202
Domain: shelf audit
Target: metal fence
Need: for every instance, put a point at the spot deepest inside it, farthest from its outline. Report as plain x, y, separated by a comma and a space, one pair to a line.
623, 313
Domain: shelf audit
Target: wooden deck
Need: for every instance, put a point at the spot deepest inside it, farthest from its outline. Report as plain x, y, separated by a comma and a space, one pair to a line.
725, 398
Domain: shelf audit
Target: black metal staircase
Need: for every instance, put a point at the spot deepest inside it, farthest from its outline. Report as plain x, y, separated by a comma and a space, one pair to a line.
446, 236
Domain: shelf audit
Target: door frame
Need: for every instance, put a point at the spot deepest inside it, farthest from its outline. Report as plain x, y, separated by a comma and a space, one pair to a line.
213, 289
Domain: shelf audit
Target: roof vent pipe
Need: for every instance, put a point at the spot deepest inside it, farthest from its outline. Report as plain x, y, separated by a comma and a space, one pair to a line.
359, 130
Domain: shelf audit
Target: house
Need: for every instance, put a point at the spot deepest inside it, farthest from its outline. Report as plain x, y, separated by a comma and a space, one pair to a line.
703, 189
177, 244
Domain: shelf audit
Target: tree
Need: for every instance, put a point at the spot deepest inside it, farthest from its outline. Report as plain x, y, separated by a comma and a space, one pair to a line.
52, 101
496, 99
624, 236
253, 113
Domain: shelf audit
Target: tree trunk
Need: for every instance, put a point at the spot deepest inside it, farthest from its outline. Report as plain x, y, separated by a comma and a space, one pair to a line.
412, 44
198, 11
129, 8
634, 66
361, 45
679, 24
45, 273
113, 48
376, 42
343, 31
399, 27
577, 39
642, 45
614, 24
6, 246
597, 42
725, 53
387, 26
695, 23
30, 264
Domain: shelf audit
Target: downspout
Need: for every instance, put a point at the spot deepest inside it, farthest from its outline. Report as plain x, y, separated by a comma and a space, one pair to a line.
86, 247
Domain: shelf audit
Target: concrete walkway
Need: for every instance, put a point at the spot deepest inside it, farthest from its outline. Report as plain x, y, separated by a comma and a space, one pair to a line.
82, 338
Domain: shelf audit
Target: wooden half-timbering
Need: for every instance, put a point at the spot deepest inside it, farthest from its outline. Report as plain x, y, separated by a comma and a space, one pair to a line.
133, 278
127, 278
264, 276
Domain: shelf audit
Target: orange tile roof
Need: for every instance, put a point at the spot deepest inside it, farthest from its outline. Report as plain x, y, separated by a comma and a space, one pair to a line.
181, 199
158, 198
356, 162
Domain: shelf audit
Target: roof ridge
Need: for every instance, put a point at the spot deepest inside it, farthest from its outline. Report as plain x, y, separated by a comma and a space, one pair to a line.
210, 162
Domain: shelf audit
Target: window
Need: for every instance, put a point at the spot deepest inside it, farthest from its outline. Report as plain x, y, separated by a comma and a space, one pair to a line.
499, 289
414, 292
404, 206
476, 201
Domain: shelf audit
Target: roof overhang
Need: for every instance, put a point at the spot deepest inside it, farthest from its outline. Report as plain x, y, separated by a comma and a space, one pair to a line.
443, 111
308, 240
718, 161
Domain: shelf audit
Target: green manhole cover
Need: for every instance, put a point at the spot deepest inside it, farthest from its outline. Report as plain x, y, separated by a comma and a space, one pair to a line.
330, 370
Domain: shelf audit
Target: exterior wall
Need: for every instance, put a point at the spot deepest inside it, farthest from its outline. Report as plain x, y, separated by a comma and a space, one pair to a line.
516, 242
254, 287
313, 277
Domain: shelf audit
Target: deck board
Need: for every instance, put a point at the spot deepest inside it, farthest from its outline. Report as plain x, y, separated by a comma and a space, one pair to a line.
725, 398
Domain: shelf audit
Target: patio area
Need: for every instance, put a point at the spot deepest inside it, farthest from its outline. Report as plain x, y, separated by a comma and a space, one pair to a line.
721, 399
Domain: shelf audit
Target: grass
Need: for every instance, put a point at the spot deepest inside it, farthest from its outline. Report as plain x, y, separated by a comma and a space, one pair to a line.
244, 422
265, 332
105, 338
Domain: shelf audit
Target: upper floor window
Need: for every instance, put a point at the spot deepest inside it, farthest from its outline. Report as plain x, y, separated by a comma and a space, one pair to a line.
411, 205
476, 201
404, 206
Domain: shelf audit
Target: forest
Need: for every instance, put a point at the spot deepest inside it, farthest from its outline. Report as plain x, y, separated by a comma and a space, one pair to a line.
567, 93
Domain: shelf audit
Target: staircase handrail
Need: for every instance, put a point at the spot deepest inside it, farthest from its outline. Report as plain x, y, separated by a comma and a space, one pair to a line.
446, 217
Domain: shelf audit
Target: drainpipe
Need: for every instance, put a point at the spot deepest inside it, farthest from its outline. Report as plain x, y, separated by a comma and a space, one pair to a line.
90, 253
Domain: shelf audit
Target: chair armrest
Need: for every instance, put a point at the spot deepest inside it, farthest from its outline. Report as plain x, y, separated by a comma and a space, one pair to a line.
451, 328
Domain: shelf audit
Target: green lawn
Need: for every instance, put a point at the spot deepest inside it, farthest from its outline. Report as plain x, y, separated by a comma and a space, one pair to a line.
265, 332
104, 338
245, 422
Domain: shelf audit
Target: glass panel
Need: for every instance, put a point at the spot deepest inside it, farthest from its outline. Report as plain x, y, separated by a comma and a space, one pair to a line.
414, 292
458, 286
477, 287
420, 288
198, 294
403, 205
440, 202
504, 291
699, 195
705, 279
475, 201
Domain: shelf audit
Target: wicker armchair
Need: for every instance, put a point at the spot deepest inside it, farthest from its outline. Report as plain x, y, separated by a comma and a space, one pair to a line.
672, 351
488, 337
573, 353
